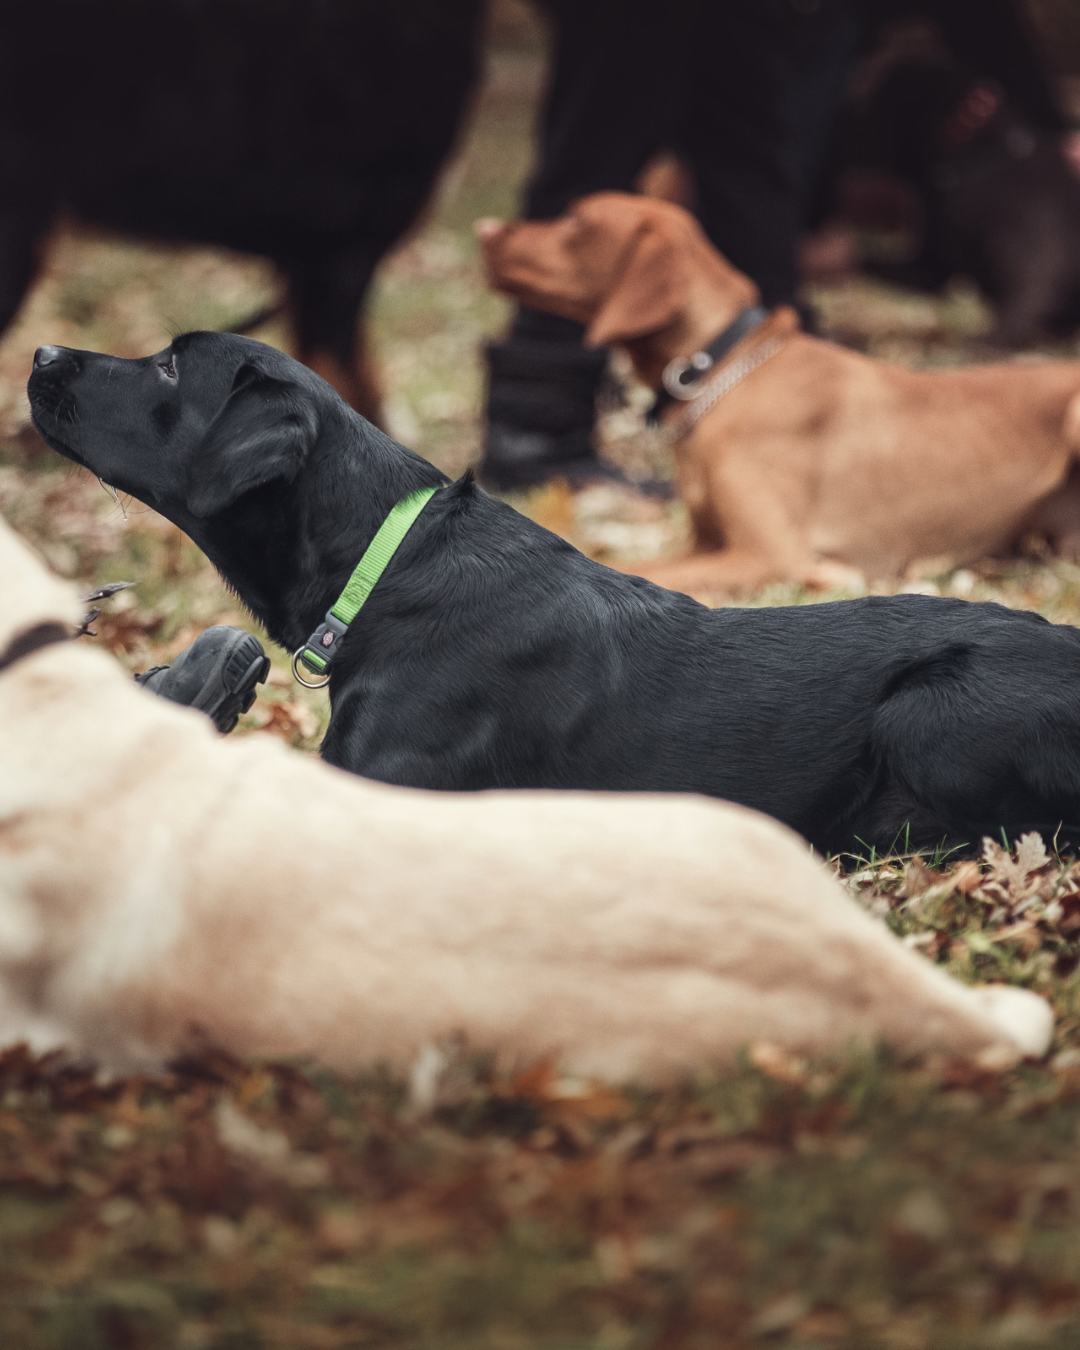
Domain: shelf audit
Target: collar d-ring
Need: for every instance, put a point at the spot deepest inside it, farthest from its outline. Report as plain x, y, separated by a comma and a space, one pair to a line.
308, 684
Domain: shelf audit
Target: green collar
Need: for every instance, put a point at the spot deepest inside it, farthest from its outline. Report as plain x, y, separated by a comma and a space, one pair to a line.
319, 650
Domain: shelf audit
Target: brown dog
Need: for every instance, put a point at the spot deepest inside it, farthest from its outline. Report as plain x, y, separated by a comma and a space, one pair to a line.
796, 457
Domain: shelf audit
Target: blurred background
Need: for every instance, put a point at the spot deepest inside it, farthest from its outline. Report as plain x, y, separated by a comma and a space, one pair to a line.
876, 272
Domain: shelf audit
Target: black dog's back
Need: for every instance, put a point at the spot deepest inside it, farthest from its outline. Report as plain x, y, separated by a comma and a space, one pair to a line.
493, 654
875, 720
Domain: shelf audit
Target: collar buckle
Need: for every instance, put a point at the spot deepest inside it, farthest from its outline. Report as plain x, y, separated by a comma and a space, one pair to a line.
301, 654
676, 371
676, 387
319, 650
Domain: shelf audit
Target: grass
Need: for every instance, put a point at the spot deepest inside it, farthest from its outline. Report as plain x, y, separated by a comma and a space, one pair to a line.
862, 1202
865, 1202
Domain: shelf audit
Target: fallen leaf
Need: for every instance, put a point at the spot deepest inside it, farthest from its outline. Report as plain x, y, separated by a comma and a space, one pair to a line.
290, 719
1014, 872
779, 1064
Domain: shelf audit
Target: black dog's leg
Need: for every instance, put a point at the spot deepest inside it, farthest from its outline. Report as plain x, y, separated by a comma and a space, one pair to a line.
973, 743
326, 297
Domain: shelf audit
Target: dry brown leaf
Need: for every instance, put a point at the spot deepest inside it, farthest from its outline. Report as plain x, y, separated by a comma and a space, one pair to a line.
918, 878
552, 506
967, 878
1025, 933
127, 630
1014, 873
567, 1097
779, 1064
598, 1103
291, 719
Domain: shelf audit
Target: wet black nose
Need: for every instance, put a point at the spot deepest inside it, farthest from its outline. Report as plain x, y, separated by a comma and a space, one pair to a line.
47, 356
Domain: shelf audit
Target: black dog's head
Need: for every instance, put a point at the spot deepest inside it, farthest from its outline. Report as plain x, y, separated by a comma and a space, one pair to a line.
248, 451
189, 430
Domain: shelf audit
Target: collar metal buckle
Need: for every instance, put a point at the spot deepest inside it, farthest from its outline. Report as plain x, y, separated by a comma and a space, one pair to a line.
675, 372
308, 684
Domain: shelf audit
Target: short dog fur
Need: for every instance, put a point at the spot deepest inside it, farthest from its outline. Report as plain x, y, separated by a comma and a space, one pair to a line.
161, 888
492, 654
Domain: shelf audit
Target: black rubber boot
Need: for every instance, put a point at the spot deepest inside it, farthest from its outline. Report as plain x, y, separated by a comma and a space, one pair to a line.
542, 406
217, 674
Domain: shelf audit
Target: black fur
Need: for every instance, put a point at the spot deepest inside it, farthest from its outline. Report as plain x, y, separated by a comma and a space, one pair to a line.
492, 654
310, 131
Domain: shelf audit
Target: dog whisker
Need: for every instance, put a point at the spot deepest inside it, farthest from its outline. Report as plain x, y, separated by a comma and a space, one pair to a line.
108, 487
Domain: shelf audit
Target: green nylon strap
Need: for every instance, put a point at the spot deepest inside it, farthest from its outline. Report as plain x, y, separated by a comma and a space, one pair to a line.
365, 575
378, 553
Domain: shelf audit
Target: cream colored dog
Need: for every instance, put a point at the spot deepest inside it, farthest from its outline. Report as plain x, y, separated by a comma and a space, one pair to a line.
817, 461
160, 887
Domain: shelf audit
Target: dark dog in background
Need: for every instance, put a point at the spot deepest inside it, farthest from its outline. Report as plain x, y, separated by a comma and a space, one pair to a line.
1002, 203
493, 654
990, 195
310, 131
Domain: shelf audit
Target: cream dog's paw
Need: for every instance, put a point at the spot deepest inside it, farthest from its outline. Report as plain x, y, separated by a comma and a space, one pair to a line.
1026, 1019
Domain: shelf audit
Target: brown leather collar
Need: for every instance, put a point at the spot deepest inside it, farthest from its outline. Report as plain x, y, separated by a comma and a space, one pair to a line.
31, 639
760, 346
684, 376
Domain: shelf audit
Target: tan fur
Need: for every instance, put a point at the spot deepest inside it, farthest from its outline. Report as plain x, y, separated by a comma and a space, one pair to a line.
823, 460
160, 886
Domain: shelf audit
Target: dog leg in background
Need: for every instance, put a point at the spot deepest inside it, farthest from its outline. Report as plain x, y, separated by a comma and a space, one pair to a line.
1058, 517
326, 301
735, 572
726, 572
1032, 274
740, 552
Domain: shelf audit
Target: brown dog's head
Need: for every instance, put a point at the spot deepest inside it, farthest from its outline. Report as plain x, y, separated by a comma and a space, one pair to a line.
623, 265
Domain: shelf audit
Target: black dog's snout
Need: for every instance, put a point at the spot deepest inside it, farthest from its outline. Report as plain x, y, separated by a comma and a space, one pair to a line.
47, 356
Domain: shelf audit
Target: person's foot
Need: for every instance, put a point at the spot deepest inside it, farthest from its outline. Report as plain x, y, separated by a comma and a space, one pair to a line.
516, 459
217, 674
541, 408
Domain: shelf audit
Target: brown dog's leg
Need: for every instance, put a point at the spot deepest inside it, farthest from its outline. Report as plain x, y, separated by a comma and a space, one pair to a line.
357, 384
726, 572
1057, 517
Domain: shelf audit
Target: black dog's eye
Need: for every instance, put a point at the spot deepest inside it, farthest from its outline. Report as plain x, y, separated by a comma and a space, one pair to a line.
169, 368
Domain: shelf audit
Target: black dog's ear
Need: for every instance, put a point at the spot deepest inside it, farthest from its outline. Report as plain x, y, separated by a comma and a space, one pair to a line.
264, 431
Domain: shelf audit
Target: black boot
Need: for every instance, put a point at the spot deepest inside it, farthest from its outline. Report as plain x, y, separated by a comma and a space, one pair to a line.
217, 674
542, 406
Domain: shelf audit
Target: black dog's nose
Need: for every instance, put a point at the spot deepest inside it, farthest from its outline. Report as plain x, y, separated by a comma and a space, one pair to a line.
45, 356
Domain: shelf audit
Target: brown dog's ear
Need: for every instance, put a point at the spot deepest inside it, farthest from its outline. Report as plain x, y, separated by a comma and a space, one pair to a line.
647, 295
265, 431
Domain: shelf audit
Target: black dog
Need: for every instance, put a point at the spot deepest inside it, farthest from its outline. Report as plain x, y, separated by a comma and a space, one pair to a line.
492, 654
311, 131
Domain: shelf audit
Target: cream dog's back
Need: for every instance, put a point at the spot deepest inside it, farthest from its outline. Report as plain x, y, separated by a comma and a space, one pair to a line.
159, 887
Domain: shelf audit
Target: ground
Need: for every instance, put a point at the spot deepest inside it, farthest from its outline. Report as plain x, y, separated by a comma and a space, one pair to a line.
862, 1202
